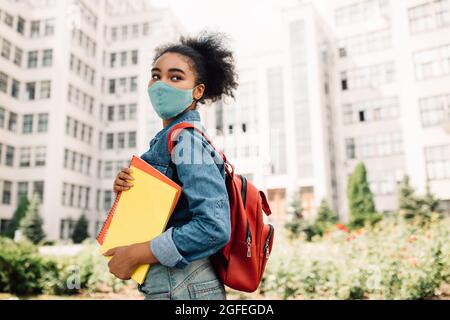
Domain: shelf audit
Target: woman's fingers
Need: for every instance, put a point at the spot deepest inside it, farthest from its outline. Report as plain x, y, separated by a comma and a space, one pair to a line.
127, 170
123, 183
122, 175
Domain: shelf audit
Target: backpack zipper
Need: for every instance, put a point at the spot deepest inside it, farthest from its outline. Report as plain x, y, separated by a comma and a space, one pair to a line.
266, 246
249, 241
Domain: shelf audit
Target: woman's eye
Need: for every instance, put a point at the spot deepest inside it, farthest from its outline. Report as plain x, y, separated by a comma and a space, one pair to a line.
175, 78
155, 76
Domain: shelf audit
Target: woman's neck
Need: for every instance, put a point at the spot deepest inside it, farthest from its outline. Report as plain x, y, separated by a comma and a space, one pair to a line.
166, 122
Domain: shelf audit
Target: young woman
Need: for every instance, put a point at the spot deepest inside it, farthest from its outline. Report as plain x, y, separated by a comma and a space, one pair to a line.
184, 75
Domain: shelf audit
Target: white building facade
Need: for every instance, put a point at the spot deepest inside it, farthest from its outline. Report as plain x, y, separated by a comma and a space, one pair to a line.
73, 102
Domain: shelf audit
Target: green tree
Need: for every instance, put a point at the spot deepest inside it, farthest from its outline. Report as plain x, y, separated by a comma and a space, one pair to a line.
408, 202
297, 223
326, 219
429, 201
80, 231
17, 217
360, 198
412, 206
31, 224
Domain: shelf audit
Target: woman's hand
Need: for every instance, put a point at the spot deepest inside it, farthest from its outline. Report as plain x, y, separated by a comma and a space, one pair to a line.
126, 259
121, 182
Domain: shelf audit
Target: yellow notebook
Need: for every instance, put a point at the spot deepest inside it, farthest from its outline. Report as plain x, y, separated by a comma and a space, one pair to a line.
140, 213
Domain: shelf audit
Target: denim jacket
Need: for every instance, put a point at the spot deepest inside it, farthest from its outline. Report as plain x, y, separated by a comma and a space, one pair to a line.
200, 223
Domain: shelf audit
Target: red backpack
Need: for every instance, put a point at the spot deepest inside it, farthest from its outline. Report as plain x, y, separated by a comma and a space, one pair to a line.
241, 263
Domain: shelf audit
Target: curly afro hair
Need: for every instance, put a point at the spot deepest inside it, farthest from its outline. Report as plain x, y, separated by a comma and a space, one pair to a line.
212, 62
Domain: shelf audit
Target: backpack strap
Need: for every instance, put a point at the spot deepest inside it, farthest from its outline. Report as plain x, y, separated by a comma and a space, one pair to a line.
176, 130
265, 204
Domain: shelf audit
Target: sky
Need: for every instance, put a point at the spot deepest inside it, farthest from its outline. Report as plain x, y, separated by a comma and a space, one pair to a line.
253, 25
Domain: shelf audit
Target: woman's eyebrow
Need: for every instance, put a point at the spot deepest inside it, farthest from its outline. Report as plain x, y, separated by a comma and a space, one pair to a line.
176, 70
170, 70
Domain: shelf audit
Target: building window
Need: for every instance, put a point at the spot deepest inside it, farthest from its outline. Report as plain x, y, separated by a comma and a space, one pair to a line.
113, 59
133, 84
123, 58
43, 122
66, 158
132, 112
71, 195
64, 194
132, 139
12, 124
32, 59
386, 144
110, 141
135, 30
27, 124
41, 153
30, 91
344, 85
432, 63
434, 110
110, 113
438, 162
134, 57
7, 189
124, 32
361, 12
25, 157
18, 57
121, 113
114, 34
9, 20
22, 190
75, 129
4, 226
3, 82
9, 156
145, 29
35, 29
74, 160
112, 86
47, 60
121, 140
371, 110
86, 203
38, 188
108, 169
49, 27
6, 49
429, 16
20, 25
15, 89
45, 89
2, 117
107, 199
350, 148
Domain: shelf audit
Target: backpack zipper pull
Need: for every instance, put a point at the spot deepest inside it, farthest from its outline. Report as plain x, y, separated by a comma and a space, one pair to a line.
249, 251
267, 251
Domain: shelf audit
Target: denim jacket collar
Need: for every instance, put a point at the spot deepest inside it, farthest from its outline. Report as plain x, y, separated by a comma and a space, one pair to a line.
191, 115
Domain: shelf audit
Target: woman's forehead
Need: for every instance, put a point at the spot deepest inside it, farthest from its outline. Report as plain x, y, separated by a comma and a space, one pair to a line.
171, 60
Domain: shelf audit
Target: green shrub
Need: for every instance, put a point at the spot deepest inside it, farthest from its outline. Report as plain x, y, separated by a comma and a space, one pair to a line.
395, 259
80, 231
22, 270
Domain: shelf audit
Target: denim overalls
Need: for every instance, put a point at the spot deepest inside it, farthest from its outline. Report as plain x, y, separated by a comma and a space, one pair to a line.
200, 223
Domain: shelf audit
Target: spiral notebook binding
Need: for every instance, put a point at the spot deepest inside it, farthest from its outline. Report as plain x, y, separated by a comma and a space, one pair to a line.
102, 234
104, 230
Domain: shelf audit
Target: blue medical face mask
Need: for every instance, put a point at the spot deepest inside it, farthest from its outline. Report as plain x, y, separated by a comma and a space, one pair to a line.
169, 101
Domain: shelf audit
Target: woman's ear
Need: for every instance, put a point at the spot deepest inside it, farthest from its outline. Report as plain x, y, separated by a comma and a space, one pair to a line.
198, 92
